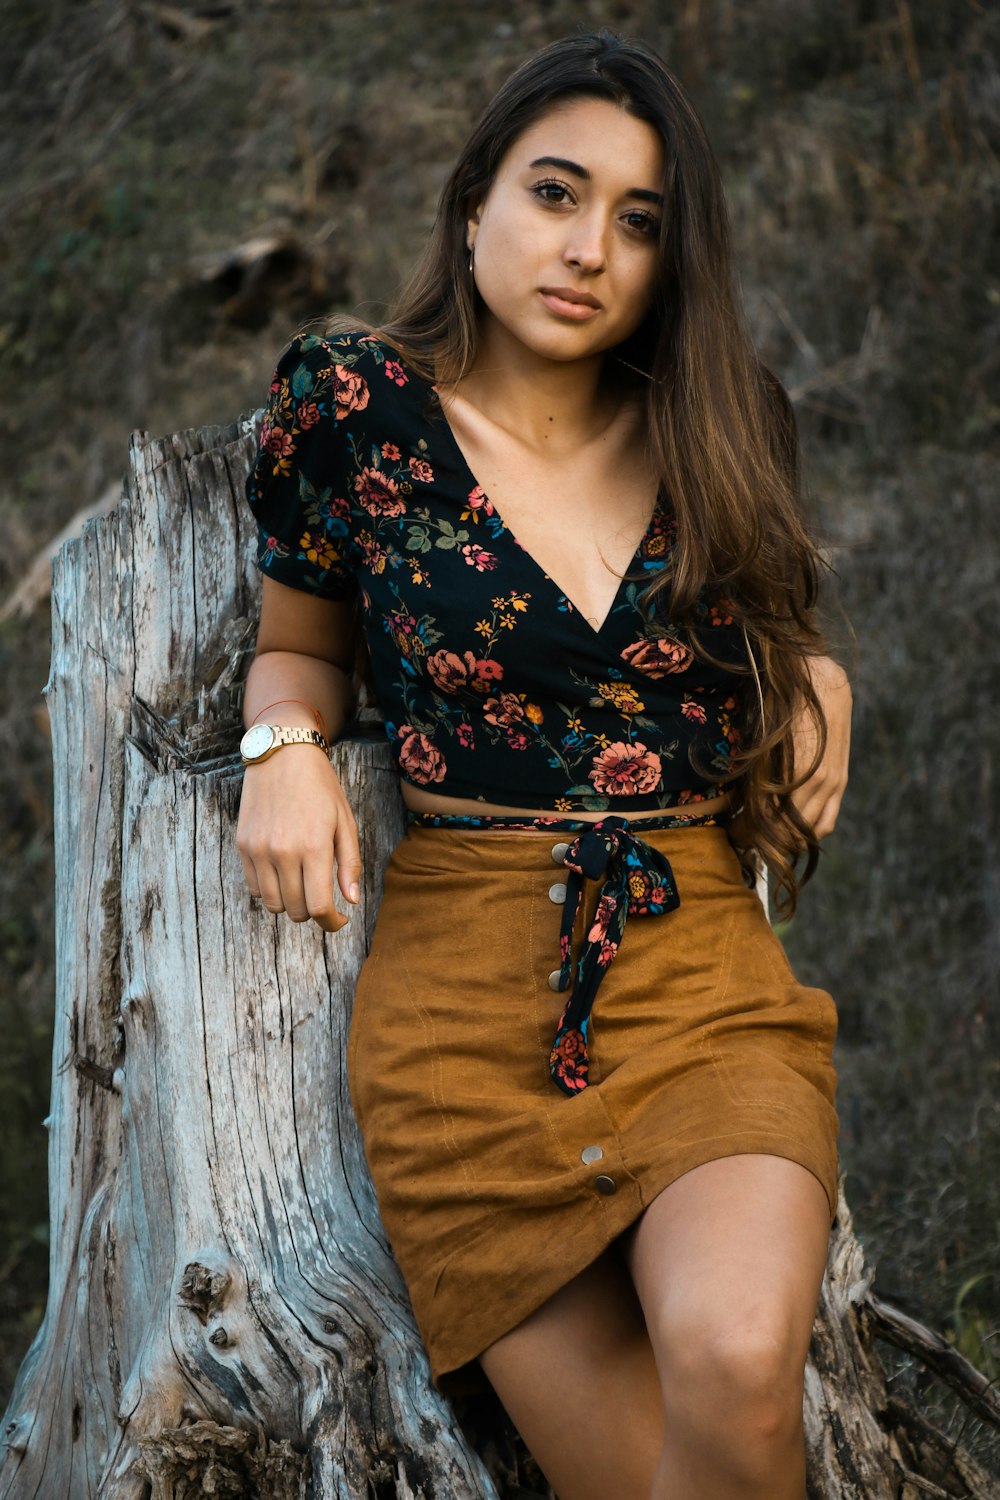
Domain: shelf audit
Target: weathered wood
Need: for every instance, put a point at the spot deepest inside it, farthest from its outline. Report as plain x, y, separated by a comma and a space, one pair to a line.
224, 1313
217, 1254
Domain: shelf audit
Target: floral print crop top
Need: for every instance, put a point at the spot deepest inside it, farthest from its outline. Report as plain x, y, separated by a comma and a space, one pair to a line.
491, 684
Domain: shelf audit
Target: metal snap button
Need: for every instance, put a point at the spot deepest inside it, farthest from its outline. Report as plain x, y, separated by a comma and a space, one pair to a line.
605, 1185
554, 979
557, 893
559, 853
592, 1153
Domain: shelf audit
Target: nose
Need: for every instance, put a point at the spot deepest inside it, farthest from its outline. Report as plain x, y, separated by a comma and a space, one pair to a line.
585, 248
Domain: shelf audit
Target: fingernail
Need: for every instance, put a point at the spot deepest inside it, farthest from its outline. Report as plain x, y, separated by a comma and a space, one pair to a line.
354, 893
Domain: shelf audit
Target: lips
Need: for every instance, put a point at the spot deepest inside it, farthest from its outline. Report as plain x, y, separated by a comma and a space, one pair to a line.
567, 294
569, 305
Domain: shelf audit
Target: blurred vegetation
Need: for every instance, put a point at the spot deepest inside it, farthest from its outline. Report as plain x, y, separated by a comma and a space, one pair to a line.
142, 144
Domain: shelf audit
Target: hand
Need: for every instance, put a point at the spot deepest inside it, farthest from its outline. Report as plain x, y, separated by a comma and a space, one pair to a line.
818, 799
294, 821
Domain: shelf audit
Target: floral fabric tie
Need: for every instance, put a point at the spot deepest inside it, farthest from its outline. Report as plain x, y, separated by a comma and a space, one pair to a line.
638, 882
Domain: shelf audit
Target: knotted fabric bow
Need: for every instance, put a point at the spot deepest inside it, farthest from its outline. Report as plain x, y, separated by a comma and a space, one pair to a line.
638, 882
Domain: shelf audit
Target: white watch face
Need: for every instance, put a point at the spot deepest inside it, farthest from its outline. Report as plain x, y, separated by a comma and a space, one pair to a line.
256, 741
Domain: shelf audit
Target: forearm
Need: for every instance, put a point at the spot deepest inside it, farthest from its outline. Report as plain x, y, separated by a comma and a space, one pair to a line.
282, 677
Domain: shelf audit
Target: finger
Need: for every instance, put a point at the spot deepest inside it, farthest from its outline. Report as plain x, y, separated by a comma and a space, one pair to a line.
250, 875
348, 855
819, 811
293, 896
269, 887
318, 885
826, 821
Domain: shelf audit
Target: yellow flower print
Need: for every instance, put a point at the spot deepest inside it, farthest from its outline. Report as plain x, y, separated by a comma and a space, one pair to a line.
318, 550
622, 696
534, 713
483, 627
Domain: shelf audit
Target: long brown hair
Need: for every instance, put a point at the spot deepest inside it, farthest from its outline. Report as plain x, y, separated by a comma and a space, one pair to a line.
721, 426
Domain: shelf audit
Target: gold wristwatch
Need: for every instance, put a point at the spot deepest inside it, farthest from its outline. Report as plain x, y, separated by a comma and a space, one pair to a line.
261, 741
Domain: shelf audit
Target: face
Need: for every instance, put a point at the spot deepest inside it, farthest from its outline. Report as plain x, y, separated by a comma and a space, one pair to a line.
566, 240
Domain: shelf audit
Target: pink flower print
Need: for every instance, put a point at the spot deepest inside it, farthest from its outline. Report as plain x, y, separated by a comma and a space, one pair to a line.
626, 770
694, 711
419, 760
350, 391
308, 415
389, 450
449, 671
465, 737
607, 953
517, 739
487, 671
477, 557
477, 498
602, 916
405, 635
378, 493
395, 372
374, 557
658, 658
569, 1057
505, 712
279, 443
421, 470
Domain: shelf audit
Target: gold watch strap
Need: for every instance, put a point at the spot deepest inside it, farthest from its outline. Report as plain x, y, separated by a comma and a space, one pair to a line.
298, 736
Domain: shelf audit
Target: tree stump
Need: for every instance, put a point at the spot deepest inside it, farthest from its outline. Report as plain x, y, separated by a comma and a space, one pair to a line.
225, 1316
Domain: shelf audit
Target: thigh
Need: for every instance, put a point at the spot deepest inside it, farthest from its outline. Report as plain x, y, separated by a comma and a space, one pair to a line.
728, 1262
580, 1384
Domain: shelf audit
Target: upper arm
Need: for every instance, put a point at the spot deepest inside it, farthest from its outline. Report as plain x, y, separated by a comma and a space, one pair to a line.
293, 620
299, 486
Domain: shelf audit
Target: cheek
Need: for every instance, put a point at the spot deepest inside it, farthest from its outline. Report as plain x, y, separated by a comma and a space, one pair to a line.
644, 280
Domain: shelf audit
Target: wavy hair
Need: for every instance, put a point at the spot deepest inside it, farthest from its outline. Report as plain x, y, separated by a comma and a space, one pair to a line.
721, 427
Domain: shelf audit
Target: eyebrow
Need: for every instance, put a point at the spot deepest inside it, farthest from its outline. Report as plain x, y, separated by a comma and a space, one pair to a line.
645, 194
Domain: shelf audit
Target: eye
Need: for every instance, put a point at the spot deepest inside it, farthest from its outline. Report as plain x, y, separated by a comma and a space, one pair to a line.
644, 222
551, 190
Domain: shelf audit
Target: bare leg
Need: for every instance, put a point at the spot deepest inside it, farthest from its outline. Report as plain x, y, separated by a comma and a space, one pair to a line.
728, 1262
579, 1382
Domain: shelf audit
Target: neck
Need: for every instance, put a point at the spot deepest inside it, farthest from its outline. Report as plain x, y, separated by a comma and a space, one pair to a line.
546, 403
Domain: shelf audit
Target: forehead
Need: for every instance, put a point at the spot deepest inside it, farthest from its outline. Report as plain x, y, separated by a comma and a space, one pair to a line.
599, 135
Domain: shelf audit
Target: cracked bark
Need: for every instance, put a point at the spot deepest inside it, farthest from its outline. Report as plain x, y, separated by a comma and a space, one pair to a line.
223, 1307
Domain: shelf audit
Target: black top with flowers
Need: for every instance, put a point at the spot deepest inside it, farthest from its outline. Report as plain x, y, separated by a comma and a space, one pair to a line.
492, 685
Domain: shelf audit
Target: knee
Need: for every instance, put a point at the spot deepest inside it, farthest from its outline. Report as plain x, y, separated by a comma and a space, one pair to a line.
742, 1375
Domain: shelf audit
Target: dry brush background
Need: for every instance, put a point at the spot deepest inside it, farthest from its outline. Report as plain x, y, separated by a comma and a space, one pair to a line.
184, 183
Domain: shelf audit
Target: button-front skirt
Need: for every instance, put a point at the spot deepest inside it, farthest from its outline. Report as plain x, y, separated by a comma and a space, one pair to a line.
495, 1186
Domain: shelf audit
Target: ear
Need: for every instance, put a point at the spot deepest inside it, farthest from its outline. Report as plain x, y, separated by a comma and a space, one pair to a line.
472, 226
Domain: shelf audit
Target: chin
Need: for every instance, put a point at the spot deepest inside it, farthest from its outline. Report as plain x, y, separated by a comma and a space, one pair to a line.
562, 343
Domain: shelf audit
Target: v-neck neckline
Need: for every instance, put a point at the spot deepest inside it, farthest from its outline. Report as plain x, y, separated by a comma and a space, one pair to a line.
597, 631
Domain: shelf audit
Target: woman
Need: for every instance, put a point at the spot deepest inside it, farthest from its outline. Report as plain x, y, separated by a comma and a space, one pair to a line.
560, 491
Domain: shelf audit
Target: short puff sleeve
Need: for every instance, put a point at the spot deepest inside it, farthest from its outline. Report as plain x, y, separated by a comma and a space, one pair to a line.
299, 485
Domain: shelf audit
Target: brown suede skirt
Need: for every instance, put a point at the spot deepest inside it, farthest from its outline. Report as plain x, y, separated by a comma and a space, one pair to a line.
495, 1186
